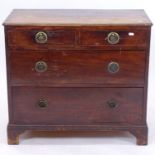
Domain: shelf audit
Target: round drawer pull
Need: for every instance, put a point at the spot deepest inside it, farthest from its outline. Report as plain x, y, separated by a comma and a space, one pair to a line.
41, 66
41, 37
42, 103
112, 104
113, 67
113, 38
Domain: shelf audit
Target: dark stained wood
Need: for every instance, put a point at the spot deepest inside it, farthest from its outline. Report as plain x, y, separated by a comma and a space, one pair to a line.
139, 131
99, 38
76, 84
72, 67
77, 106
22, 38
13, 135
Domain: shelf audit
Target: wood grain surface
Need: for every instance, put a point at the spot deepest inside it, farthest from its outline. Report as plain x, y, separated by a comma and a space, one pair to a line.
77, 17
80, 93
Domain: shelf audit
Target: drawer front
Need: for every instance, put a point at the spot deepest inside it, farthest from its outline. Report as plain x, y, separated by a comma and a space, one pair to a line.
116, 39
64, 106
107, 38
40, 38
71, 67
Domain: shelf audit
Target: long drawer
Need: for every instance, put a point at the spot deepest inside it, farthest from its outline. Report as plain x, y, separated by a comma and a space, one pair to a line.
72, 67
74, 106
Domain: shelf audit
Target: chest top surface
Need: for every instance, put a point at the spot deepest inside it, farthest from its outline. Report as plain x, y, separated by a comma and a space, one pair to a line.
76, 17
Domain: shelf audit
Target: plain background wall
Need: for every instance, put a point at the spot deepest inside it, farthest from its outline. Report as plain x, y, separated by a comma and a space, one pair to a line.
93, 145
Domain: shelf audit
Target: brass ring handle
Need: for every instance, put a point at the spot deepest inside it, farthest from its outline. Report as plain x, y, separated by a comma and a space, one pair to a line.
41, 66
42, 103
112, 104
113, 67
41, 37
113, 38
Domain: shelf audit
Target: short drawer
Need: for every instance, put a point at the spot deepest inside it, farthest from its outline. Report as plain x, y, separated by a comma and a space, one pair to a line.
65, 106
59, 68
38, 38
115, 38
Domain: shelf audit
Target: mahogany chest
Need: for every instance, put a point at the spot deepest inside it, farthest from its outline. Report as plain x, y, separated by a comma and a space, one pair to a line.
77, 70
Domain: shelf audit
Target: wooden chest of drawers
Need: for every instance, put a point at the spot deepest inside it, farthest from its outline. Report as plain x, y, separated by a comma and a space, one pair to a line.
77, 70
